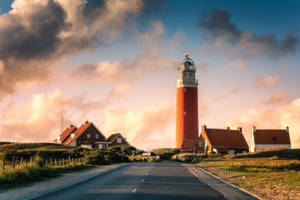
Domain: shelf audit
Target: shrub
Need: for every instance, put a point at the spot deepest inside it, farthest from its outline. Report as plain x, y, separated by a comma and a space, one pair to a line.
96, 158
117, 148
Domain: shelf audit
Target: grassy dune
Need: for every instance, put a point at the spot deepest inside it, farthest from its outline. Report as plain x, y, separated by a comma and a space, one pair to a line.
23, 163
273, 174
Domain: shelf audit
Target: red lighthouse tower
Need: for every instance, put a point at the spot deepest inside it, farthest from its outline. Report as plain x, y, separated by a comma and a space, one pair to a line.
187, 107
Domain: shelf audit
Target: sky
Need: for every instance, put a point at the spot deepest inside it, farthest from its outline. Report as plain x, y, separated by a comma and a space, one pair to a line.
114, 63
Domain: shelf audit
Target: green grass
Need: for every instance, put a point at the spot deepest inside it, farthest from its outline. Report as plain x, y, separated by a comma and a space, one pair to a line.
25, 163
252, 169
33, 172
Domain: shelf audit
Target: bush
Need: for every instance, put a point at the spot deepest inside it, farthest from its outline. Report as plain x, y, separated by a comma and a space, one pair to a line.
166, 154
96, 158
184, 157
117, 148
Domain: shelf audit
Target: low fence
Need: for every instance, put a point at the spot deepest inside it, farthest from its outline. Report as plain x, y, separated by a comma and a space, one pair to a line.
21, 163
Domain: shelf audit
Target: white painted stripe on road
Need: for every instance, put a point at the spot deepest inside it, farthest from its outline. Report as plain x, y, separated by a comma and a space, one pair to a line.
142, 180
147, 173
134, 190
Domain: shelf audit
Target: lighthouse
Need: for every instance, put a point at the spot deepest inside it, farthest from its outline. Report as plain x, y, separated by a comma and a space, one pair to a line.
187, 106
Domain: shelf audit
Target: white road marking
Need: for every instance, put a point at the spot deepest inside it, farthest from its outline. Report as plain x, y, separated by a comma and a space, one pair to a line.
142, 180
147, 173
134, 190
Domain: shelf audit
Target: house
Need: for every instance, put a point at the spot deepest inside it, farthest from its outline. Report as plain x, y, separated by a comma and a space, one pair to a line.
225, 141
114, 139
87, 135
66, 134
270, 138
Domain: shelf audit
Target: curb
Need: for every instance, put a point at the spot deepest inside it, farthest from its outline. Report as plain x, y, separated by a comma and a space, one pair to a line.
67, 185
227, 183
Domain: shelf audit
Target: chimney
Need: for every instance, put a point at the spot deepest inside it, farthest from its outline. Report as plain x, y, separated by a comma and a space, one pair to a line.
240, 130
72, 136
58, 139
86, 121
71, 125
228, 129
254, 129
287, 129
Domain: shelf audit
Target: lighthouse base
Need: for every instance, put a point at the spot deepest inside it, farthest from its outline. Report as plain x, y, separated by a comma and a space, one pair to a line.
190, 145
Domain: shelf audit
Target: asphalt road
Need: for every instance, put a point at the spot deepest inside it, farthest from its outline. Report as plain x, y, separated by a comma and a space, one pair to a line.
140, 181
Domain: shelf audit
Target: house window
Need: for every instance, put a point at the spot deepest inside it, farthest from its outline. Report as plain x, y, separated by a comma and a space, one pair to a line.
97, 136
274, 139
88, 135
119, 140
100, 146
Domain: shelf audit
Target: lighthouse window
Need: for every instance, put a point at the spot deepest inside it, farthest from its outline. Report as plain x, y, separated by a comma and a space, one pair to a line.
184, 89
184, 113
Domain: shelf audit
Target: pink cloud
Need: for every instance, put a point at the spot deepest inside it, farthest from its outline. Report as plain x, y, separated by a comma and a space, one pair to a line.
147, 128
40, 118
267, 81
277, 98
238, 64
280, 117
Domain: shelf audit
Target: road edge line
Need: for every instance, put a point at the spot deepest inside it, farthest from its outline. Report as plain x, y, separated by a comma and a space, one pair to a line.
225, 182
67, 185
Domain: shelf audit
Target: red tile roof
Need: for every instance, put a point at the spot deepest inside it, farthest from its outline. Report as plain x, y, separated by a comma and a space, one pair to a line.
225, 138
112, 137
67, 132
78, 132
271, 136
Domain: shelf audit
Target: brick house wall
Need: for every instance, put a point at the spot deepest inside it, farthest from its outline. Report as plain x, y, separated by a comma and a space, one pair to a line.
89, 137
118, 140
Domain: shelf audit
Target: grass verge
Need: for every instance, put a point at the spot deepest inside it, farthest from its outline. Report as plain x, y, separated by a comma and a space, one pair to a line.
33, 172
269, 177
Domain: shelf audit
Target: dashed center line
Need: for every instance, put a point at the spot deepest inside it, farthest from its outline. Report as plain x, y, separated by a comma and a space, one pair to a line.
134, 190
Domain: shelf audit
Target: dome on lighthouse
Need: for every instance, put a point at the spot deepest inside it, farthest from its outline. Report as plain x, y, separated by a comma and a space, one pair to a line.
188, 63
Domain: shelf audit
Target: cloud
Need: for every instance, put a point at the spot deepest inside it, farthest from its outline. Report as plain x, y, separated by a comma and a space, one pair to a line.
238, 64
130, 70
217, 26
233, 91
125, 71
267, 81
147, 128
151, 38
277, 98
36, 34
280, 117
39, 119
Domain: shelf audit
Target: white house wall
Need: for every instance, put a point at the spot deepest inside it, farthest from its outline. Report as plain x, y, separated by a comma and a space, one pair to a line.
258, 147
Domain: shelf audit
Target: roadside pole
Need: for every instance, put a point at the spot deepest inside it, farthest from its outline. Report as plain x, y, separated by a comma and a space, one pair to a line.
122, 149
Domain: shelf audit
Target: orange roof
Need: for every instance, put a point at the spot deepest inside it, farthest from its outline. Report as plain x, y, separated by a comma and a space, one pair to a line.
67, 132
112, 137
271, 136
78, 132
225, 138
